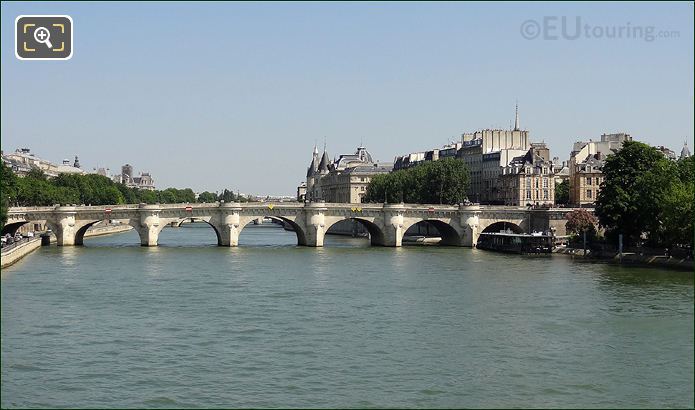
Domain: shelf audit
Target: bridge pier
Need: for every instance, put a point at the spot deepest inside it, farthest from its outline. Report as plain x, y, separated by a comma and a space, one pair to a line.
63, 225
227, 224
149, 226
315, 224
393, 225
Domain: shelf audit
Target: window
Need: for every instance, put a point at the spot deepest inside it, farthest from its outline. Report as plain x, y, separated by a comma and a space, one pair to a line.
545, 183
588, 180
545, 194
528, 194
588, 193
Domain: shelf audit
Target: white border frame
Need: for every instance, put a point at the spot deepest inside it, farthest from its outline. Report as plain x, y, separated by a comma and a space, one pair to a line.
72, 34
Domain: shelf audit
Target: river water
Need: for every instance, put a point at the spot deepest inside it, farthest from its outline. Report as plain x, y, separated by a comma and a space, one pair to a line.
269, 324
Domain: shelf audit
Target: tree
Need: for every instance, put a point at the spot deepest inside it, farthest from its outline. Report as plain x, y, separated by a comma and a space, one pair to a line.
434, 182
8, 191
227, 196
579, 221
677, 216
207, 197
635, 185
562, 193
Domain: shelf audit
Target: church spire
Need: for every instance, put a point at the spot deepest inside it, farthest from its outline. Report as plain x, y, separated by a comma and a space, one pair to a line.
516, 117
685, 152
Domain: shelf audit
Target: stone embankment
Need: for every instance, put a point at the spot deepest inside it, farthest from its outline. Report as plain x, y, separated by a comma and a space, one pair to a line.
12, 254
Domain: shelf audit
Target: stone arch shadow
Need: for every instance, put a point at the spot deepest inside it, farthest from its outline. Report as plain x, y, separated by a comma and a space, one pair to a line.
376, 234
450, 236
298, 230
189, 219
503, 225
13, 227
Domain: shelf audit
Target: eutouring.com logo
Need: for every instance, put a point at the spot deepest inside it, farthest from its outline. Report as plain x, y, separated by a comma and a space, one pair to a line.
573, 28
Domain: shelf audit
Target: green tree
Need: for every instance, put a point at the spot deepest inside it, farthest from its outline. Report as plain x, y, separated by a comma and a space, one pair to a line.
434, 182
8, 191
644, 193
562, 193
677, 217
206, 196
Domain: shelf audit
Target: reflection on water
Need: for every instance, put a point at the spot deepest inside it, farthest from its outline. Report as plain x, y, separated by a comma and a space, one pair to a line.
271, 324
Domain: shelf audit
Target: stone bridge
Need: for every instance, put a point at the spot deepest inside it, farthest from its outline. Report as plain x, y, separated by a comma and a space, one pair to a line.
386, 223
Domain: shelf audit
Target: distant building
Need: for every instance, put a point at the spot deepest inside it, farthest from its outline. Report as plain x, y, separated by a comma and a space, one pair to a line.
586, 164
485, 152
22, 161
344, 180
668, 153
301, 192
685, 152
528, 179
561, 171
409, 160
144, 181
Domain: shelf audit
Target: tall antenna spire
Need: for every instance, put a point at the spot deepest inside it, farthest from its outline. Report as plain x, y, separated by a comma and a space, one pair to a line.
516, 117
324, 143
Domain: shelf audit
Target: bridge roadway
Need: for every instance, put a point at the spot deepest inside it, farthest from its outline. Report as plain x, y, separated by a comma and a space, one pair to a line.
386, 223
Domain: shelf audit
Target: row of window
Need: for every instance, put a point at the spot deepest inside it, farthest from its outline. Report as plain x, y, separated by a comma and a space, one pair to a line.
545, 194
593, 181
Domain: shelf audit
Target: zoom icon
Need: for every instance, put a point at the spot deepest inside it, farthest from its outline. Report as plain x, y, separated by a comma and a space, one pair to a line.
43, 37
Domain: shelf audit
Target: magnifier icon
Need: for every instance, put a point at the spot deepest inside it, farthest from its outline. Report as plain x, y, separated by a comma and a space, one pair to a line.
42, 35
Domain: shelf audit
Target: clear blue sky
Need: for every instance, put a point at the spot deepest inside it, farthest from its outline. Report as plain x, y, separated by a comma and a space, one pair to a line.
235, 95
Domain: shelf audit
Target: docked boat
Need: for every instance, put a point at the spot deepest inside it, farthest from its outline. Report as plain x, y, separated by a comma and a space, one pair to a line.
521, 243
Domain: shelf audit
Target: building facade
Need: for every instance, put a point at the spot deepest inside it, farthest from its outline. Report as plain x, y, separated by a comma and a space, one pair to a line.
585, 183
586, 164
528, 179
22, 161
127, 178
344, 180
485, 152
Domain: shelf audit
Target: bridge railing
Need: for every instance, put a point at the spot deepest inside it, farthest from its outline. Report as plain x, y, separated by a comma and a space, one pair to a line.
247, 205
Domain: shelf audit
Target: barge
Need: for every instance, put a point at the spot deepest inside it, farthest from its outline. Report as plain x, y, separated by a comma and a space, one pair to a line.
521, 243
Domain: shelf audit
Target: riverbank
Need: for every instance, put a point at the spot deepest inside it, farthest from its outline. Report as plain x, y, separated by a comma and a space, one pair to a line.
11, 255
17, 252
106, 230
630, 258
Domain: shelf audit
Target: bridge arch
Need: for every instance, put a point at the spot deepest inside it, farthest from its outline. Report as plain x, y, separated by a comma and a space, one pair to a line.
298, 230
449, 234
79, 234
13, 227
503, 226
376, 234
181, 221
